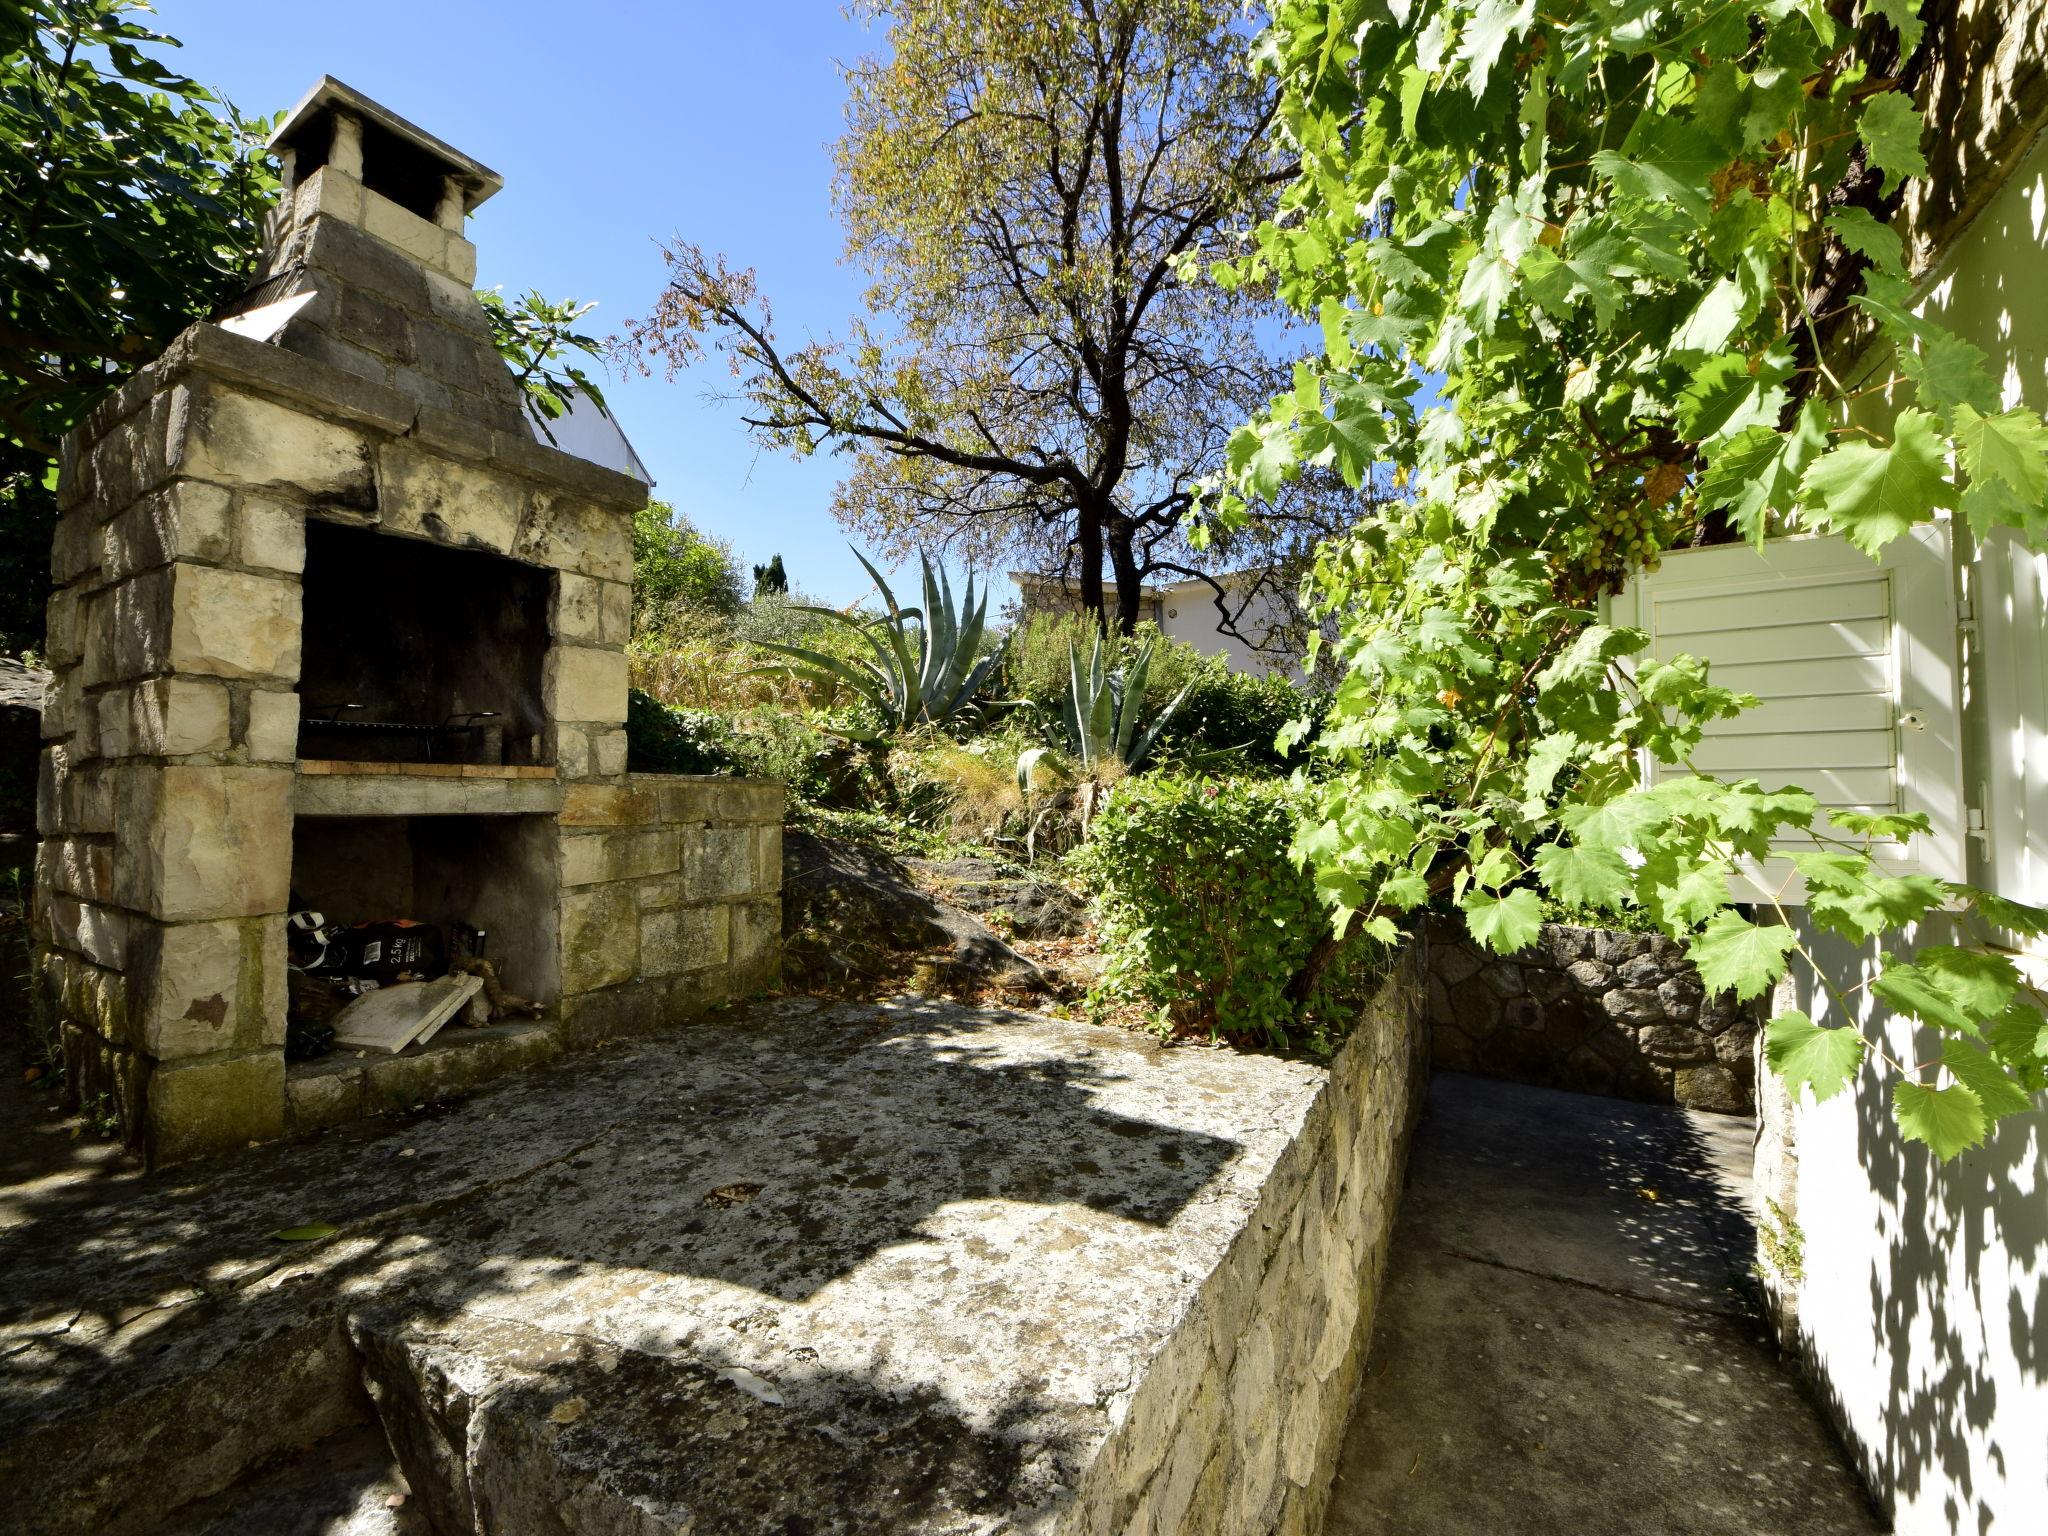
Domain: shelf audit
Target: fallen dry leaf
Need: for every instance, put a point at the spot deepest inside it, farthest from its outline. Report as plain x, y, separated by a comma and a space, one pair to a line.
568, 1411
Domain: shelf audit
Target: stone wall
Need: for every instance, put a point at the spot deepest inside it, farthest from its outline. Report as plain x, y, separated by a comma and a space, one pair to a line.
1594, 1012
1235, 1428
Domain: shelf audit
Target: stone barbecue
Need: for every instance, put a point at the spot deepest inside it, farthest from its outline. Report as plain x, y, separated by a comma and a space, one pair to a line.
334, 630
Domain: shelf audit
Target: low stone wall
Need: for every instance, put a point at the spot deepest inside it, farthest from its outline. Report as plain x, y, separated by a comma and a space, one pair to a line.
1592, 1011
1237, 1424
904, 1266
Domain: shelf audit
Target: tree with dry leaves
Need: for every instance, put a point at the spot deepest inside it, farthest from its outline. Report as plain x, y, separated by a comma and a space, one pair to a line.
1021, 182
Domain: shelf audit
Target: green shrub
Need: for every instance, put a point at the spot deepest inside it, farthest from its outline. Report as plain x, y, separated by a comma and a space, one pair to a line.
677, 569
1036, 669
1228, 711
664, 740
1202, 912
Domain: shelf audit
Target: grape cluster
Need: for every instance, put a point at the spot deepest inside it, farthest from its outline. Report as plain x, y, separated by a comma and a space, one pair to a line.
1621, 537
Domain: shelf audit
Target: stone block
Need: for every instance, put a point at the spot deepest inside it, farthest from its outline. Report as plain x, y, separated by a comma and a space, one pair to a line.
344, 249
272, 734
197, 989
375, 324
768, 857
1503, 978
75, 547
405, 230
638, 855
600, 937
583, 859
459, 258
233, 624
1629, 1006
98, 933
584, 685
63, 628
75, 866
1709, 1087
241, 440
273, 535
1674, 1043
571, 751
608, 750
1590, 975
318, 1101
188, 520
1681, 997
104, 1076
570, 533
455, 304
201, 1108
1645, 971
164, 717
201, 842
595, 611
63, 704
451, 357
683, 939
756, 946
578, 608
718, 863
609, 805
469, 506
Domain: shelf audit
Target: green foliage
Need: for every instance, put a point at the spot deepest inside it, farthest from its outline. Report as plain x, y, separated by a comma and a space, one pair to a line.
1101, 713
1221, 711
1204, 915
676, 568
1597, 226
664, 740
925, 666
535, 337
131, 201
771, 580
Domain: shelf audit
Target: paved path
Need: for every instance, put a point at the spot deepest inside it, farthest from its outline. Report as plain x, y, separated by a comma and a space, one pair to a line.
1566, 1341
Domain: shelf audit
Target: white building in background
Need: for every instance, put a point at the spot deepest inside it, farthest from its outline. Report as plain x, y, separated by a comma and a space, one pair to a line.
1269, 636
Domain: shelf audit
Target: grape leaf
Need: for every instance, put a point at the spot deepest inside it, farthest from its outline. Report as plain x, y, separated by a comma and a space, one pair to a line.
1993, 1085
1891, 127
1801, 1052
1583, 876
1724, 397
2001, 912
1902, 14
1756, 471
1487, 34
1668, 161
1504, 924
2011, 447
1952, 989
1858, 229
1733, 955
1875, 903
1875, 494
1946, 1119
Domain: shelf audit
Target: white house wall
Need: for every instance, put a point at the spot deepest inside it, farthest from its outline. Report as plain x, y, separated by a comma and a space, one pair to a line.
1923, 1312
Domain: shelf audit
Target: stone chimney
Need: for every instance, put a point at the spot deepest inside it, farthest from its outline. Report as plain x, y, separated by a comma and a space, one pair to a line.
365, 263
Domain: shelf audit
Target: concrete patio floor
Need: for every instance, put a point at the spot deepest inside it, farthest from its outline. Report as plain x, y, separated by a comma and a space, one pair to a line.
1566, 1341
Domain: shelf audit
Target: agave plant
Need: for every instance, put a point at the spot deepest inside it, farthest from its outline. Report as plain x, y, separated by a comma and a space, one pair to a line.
927, 669
1101, 714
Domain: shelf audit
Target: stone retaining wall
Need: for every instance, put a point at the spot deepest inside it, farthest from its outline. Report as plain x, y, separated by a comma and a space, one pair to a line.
1592, 1011
1236, 1426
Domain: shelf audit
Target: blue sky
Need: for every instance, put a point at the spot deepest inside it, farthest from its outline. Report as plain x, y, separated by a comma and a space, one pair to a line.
614, 124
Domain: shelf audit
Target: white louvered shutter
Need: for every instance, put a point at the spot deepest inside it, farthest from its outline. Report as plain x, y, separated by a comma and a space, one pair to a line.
1854, 660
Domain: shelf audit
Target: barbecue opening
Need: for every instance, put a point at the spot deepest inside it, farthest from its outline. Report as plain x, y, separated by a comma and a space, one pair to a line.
415, 653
